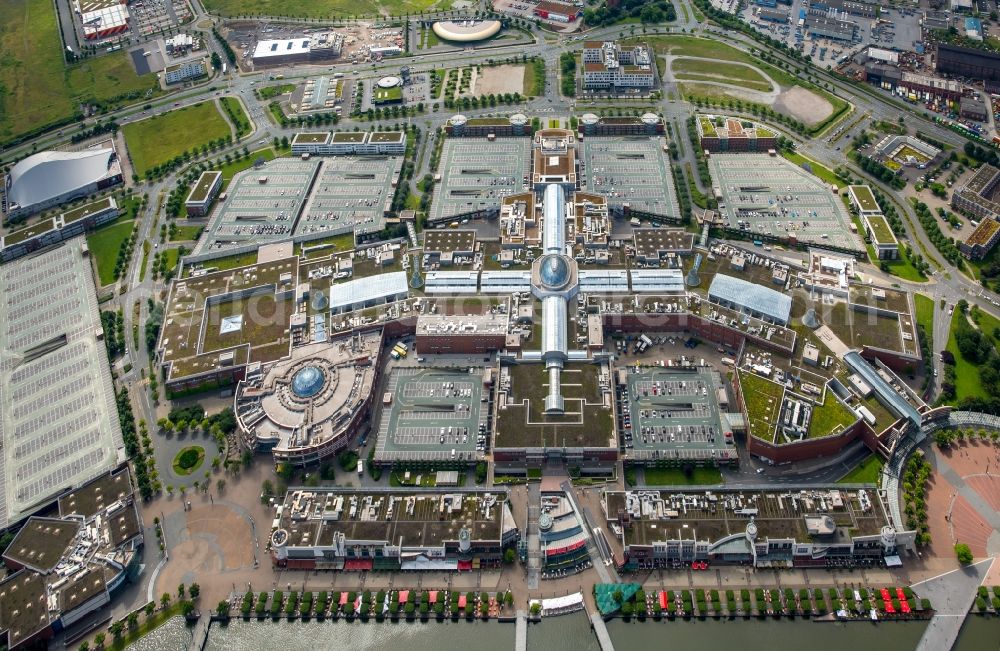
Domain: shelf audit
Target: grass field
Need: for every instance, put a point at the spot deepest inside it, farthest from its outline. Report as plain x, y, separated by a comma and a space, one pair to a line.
158, 139
322, 8
763, 402
735, 74
700, 47
236, 115
924, 308
185, 233
534, 78
966, 373
676, 477
270, 92
866, 472
104, 244
37, 88
234, 168
901, 267
824, 174
830, 417
989, 325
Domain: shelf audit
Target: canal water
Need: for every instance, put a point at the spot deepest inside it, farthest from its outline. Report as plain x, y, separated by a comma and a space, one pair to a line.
567, 633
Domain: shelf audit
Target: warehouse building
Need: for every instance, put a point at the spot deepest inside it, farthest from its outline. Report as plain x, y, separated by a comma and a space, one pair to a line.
392, 530
320, 46
971, 108
967, 62
559, 12
50, 178
59, 424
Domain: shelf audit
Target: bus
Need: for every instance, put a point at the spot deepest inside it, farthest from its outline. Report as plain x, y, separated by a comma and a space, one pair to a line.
361, 467
399, 351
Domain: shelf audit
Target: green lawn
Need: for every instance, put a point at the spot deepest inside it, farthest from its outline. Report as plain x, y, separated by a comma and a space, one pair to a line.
171, 256
735, 74
763, 402
234, 168
534, 78
188, 460
161, 138
966, 373
104, 244
323, 8
824, 174
146, 246
236, 115
676, 477
866, 472
989, 325
186, 233
924, 308
270, 92
37, 88
830, 417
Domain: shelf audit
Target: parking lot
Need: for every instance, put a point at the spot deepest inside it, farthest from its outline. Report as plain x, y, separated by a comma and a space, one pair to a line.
434, 414
476, 174
630, 170
664, 408
767, 195
351, 193
262, 205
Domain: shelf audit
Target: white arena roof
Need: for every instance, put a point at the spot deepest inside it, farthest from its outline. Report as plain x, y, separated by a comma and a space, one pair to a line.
50, 174
58, 420
466, 30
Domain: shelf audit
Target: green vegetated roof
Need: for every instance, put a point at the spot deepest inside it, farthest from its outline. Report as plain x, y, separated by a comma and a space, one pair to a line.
604, 595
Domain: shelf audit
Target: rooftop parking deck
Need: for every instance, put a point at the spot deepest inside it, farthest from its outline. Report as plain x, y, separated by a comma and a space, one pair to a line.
434, 414
262, 205
475, 175
351, 194
631, 171
770, 196
672, 409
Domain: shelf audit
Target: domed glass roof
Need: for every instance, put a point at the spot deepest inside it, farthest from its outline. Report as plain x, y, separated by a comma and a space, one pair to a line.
307, 382
554, 271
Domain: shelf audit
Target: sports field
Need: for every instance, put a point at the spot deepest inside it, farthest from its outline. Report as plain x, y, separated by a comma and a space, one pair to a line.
323, 8
158, 139
104, 245
37, 88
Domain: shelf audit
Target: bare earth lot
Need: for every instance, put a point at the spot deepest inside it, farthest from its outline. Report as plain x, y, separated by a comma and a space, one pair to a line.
803, 105
499, 80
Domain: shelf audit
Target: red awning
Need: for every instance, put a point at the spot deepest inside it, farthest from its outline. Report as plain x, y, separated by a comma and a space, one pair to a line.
404, 595
359, 564
434, 596
568, 548
464, 566
343, 598
461, 601
663, 599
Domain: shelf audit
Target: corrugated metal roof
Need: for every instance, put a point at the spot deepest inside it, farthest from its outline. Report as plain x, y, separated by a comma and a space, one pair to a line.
451, 282
505, 281
612, 280
751, 296
372, 288
657, 280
